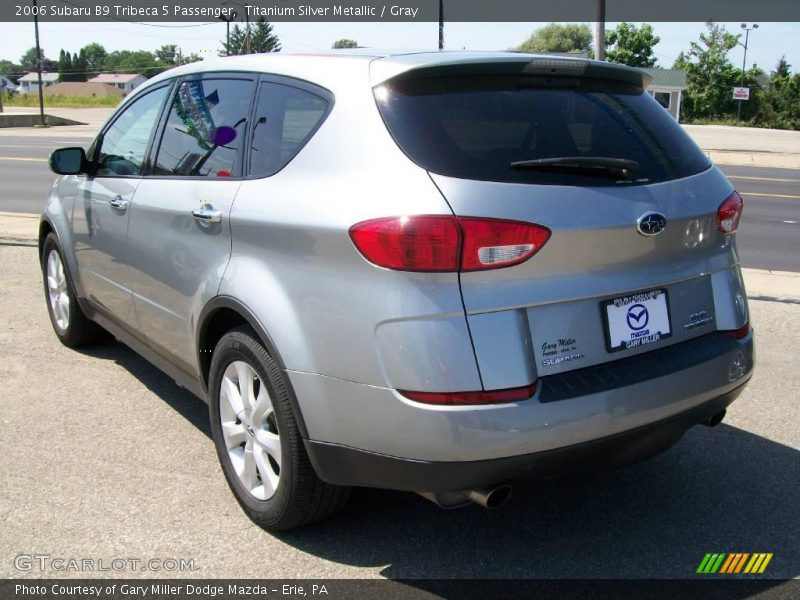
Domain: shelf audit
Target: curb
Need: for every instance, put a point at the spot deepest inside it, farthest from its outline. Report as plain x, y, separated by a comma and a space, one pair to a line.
753, 159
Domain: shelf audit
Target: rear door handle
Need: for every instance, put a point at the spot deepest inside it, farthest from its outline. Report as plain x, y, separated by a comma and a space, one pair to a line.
119, 203
207, 214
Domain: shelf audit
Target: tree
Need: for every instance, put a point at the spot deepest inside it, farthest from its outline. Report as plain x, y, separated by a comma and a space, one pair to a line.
569, 38
11, 70
167, 55
779, 105
95, 57
344, 43
233, 44
630, 45
28, 61
79, 66
64, 66
710, 76
263, 39
139, 61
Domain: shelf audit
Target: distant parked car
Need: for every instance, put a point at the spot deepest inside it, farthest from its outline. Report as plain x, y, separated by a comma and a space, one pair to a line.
433, 272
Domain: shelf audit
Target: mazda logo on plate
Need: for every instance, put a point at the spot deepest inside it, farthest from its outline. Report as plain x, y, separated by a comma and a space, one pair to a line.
638, 317
651, 223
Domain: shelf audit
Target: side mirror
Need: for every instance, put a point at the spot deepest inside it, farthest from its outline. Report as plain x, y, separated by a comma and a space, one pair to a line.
69, 161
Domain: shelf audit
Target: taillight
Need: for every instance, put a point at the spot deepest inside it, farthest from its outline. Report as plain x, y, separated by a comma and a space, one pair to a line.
471, 398
428, 243
740, 333
441, 243
729, 213
494, 243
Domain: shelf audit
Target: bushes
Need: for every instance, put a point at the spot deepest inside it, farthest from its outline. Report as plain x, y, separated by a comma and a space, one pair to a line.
32, 100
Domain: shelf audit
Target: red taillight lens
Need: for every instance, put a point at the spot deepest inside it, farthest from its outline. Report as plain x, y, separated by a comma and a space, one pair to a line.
422, 243
729, 213
740, 333
440, 243
471, 398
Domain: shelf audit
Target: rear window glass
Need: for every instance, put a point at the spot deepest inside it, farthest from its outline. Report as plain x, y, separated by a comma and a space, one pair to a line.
474, 127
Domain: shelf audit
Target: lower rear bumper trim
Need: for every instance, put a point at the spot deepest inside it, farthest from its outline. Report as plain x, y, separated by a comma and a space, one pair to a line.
342, 465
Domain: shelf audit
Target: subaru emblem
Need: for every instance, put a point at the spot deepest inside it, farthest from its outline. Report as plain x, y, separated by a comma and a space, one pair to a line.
651, 223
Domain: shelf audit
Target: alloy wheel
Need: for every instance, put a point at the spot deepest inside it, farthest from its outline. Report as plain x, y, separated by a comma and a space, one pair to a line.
250, 430
57, 290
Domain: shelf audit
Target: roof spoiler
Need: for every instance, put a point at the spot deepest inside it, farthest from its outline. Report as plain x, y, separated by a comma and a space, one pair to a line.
553, 66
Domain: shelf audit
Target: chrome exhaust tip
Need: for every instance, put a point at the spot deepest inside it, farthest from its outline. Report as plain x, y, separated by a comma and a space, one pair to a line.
490, 497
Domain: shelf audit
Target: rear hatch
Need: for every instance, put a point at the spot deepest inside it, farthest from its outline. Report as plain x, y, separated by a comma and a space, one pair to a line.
582, 149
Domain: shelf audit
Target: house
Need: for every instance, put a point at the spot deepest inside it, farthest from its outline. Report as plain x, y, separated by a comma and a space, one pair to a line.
667, 88
30, 83
83, 88
126, 82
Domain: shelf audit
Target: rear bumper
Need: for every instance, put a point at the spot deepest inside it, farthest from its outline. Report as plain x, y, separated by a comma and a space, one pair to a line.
348, 466
621, 412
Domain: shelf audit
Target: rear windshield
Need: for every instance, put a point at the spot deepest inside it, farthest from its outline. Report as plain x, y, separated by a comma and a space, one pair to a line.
475, 127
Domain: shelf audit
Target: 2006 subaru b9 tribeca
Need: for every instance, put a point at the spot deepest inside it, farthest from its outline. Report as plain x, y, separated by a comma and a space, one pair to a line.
433, 272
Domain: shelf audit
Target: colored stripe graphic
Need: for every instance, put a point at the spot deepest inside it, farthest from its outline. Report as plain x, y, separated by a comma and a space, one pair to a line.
711, 562
758, 563
731, 563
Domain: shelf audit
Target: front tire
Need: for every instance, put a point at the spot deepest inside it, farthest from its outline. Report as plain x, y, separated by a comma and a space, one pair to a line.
258, 441
72, 327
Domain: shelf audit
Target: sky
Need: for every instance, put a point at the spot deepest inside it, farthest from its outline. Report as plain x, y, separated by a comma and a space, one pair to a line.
767, 44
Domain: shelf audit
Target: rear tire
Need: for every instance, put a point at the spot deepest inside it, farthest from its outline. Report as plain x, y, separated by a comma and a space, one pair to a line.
72, 327
258, 441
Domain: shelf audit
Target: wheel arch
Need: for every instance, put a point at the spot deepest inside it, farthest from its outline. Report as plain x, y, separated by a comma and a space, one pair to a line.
45, 229
220, 315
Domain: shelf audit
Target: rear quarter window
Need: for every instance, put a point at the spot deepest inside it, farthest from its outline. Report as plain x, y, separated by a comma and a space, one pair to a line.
474, 127
286, 118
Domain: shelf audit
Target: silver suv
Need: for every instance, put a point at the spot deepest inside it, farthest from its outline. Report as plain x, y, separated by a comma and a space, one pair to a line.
433, 272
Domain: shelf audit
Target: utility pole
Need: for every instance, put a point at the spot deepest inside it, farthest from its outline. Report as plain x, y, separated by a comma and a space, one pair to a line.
747, 31
39, 65
600, 31
441, 24
247, 20
228, 32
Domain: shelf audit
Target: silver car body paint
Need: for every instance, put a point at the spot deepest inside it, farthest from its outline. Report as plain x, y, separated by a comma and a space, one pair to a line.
350, 334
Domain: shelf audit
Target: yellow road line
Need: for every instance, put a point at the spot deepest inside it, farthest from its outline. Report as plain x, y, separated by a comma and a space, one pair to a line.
763, 178
769, 195
23, 159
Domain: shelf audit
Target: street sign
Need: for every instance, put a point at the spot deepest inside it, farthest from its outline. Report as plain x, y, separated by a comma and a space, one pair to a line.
741, 93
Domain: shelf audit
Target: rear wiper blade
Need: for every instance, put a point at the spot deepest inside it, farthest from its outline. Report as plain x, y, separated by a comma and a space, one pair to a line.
596, 166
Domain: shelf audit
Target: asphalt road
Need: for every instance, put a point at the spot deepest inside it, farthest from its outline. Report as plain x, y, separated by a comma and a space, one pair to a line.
102, 456
769, 237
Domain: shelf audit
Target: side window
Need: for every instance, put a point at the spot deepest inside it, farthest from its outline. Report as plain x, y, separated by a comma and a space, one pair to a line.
286, 118
206, 124
124, 143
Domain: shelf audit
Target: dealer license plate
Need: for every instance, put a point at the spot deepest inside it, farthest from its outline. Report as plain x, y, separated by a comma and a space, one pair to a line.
635, 320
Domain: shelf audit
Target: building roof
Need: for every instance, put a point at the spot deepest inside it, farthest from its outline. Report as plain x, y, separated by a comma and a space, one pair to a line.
670, 78
34, 77
82, 88
115, 78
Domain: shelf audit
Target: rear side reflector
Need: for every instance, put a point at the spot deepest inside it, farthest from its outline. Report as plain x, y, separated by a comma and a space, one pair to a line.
729, 213
445, 243
738, 333
472, 398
